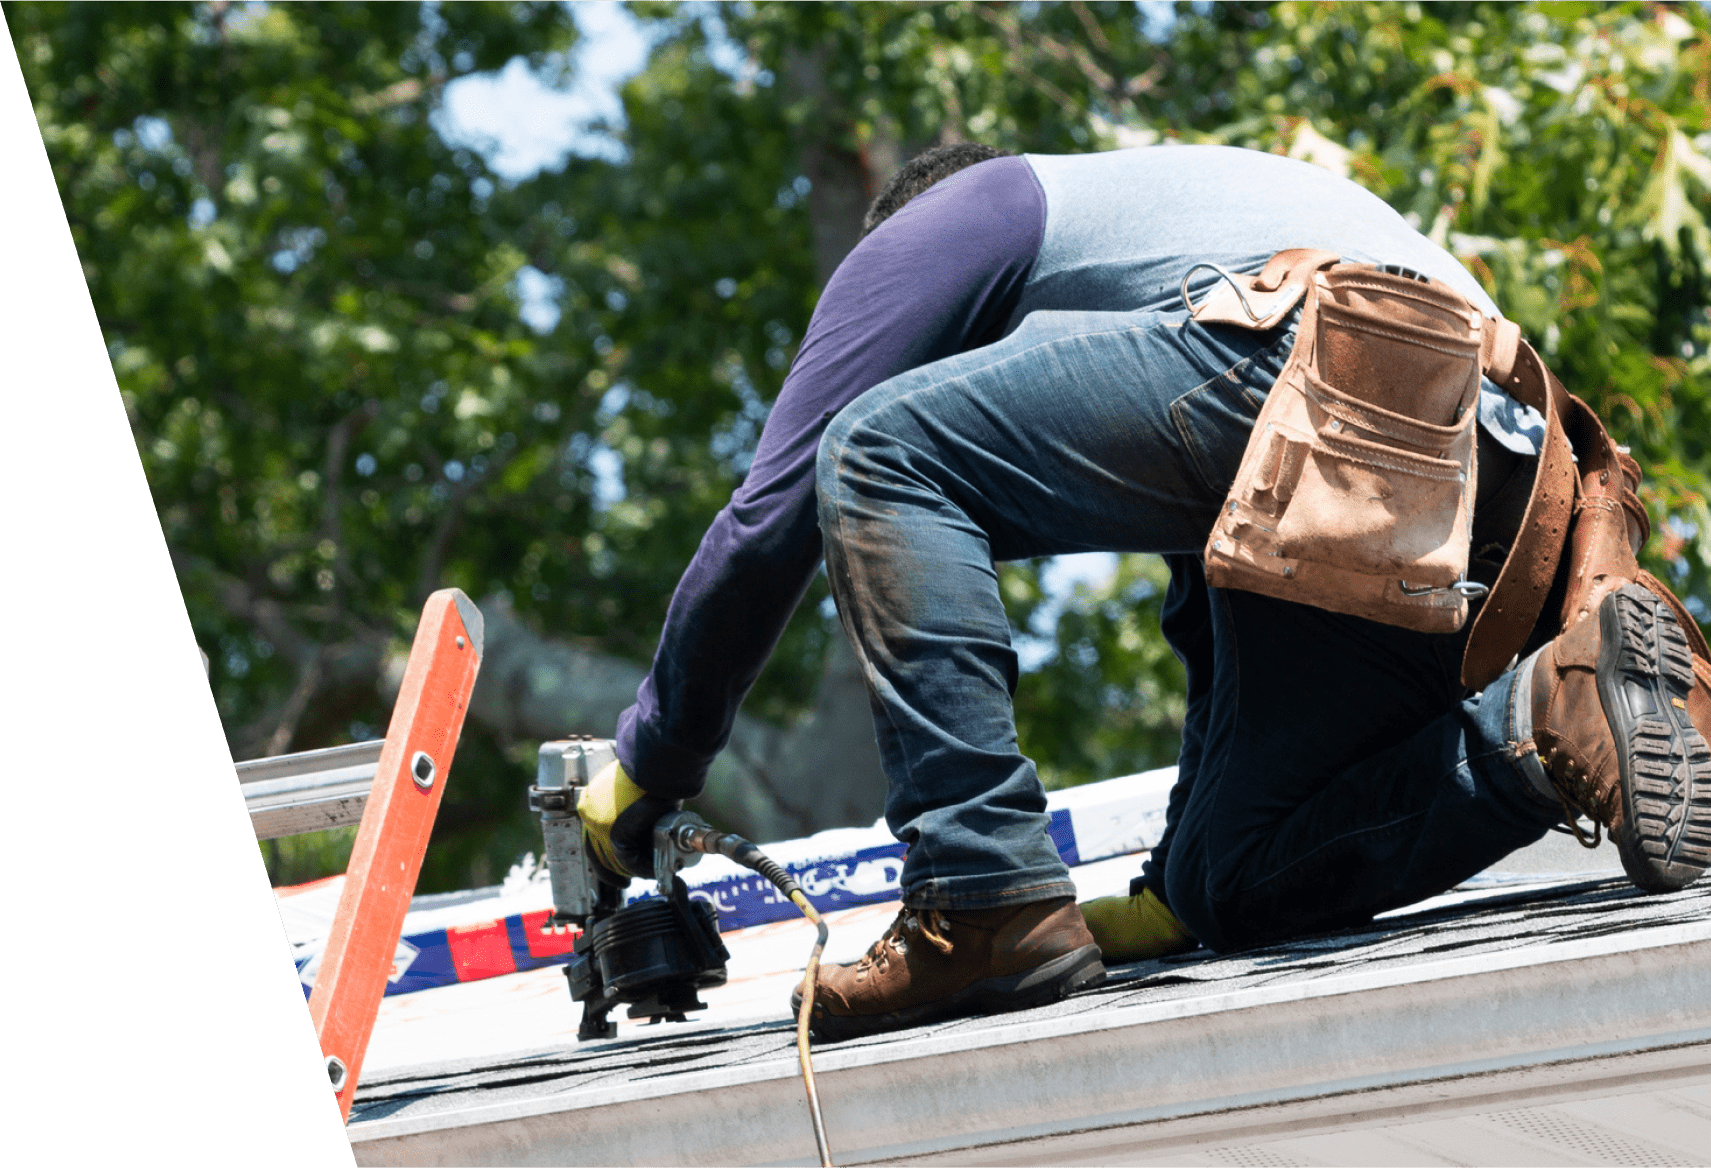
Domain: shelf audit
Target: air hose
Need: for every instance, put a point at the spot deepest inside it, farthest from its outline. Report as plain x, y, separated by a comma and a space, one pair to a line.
710, 841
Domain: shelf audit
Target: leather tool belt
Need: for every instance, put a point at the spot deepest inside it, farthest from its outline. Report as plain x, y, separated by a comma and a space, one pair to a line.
1356, 491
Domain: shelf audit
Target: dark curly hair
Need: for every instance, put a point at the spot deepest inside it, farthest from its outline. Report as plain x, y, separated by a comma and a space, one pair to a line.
921, 172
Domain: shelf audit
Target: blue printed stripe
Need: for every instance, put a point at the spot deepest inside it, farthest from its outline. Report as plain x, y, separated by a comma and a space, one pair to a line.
865, 876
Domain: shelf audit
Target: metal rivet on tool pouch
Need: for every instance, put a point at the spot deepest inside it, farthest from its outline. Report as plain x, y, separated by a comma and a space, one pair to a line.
460, 642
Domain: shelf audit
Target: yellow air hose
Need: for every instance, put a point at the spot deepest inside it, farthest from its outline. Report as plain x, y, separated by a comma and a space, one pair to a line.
803, 1015
710, 841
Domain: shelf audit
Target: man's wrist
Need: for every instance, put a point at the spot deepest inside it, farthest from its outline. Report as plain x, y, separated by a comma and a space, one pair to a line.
659, 767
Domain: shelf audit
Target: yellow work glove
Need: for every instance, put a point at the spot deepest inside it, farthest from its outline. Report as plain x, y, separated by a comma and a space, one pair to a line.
618, 820
1135, 928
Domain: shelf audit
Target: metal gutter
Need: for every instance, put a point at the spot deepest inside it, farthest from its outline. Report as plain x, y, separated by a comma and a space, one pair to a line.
1095, 1063
1650, 1107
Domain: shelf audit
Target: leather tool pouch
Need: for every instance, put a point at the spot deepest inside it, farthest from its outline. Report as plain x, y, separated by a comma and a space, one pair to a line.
1356, 490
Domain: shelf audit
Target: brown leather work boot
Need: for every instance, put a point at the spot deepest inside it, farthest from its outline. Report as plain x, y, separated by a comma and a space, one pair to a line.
1611, 725
933, 965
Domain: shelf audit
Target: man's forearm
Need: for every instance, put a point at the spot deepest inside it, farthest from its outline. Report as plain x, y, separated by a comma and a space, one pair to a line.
726, 616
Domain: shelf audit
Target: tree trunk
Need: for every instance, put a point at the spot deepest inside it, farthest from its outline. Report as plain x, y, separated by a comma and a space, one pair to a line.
845, 167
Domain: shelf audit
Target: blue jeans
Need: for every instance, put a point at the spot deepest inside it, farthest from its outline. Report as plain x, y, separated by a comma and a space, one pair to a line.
1121, 432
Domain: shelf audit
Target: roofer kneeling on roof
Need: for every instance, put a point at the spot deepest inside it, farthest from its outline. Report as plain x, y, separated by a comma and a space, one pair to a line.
1188, 351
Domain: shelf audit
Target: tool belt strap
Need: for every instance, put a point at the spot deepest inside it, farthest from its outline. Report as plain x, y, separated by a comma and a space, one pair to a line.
1583, 502
1517, 600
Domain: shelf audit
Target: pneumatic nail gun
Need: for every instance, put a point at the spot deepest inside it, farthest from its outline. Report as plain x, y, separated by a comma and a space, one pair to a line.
656, 954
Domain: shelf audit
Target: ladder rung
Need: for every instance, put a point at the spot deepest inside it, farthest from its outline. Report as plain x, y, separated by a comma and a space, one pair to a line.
289, 794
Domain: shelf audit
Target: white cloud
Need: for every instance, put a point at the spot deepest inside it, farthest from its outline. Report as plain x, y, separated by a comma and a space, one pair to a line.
522, 126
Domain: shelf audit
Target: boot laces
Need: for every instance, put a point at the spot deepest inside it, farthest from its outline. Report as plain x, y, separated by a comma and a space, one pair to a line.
931, 924
1573, 813
1577, 797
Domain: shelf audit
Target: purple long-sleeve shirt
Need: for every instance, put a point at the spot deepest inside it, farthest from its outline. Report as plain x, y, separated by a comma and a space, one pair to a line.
939, 277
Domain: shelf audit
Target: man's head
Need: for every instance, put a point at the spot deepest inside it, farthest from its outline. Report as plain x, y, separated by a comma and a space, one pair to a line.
921, 172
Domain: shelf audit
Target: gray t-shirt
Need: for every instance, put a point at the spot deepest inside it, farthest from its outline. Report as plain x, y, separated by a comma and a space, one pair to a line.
1232, 207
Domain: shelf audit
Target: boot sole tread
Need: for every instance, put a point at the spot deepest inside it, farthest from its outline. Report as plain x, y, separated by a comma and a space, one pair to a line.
1645, 674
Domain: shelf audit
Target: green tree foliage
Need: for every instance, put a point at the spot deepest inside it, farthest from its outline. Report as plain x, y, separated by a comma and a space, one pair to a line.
308, 298
313, 301
693, 271
1110, 697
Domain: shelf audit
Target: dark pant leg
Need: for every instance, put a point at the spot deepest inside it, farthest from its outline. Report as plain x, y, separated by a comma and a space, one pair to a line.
1186, 622
1342, 775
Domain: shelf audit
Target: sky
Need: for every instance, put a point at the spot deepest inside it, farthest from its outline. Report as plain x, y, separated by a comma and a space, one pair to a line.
522, 126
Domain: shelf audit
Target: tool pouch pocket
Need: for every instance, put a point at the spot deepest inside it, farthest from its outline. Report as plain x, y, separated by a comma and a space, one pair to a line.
1355, 493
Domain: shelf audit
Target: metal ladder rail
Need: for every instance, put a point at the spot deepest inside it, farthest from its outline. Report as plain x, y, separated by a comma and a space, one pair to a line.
313, 790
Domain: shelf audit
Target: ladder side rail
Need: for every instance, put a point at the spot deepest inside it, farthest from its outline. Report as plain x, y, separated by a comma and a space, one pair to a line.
393, 836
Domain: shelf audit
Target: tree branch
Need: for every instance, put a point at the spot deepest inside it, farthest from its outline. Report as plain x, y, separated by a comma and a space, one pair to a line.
1073, 55
435, 550
1090, 24
308, 683
244, 604
1012, 31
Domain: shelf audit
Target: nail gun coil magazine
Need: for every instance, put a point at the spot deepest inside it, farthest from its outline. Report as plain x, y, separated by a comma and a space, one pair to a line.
655, 955
652, 955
